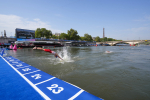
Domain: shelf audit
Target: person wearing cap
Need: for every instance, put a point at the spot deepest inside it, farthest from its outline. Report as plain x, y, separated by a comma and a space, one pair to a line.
48, 50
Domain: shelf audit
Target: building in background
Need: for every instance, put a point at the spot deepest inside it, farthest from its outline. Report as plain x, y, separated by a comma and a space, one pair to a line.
25, 35
93, 38
57, 34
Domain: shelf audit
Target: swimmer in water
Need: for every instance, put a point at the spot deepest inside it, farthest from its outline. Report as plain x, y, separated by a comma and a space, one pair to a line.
48, 50
108, 51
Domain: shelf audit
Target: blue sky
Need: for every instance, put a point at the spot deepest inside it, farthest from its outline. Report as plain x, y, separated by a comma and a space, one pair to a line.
122, 19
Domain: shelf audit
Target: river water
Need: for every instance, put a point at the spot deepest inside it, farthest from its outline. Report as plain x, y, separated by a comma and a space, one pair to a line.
123, 74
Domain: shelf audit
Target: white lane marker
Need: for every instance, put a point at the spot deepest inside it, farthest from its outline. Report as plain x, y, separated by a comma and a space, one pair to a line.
31, 72
23, 67
44, 81
77, 94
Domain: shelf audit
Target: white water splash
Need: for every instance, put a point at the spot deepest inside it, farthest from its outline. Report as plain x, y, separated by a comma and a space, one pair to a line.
65, 55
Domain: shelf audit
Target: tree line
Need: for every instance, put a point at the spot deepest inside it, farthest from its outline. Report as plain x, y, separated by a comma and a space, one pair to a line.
70, 35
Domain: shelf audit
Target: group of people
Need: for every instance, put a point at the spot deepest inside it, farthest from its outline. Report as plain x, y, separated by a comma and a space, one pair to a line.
48, 50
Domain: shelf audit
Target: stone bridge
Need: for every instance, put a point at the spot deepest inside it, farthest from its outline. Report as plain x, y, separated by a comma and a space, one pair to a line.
131, 42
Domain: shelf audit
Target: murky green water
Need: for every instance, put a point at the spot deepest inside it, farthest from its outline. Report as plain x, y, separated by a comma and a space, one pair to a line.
123, 74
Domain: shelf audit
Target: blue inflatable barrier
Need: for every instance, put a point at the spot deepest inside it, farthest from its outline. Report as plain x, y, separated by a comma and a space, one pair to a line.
48, 86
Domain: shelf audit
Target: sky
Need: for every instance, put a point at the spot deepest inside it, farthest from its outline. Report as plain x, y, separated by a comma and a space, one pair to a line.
122, 19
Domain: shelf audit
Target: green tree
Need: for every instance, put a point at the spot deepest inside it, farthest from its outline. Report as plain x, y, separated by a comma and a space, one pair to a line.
82, 38
88, 37
55, 37
43, 33
97, 39
105, 38
64, 36
48, 34
110, 39
73, 34
38, 33
101, 39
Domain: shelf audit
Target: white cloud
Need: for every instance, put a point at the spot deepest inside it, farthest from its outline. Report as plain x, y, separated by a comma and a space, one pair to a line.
11, 22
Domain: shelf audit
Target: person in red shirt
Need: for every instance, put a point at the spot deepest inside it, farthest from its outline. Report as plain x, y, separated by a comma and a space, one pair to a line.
48, 50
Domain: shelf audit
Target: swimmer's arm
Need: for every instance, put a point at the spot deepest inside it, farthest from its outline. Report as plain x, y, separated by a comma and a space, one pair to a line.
39, 48
56, 55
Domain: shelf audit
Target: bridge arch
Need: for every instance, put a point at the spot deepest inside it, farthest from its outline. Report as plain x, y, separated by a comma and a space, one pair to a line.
121, 44
113, 43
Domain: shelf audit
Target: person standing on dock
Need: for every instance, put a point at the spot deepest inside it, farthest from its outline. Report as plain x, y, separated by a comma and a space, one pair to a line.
48, 50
